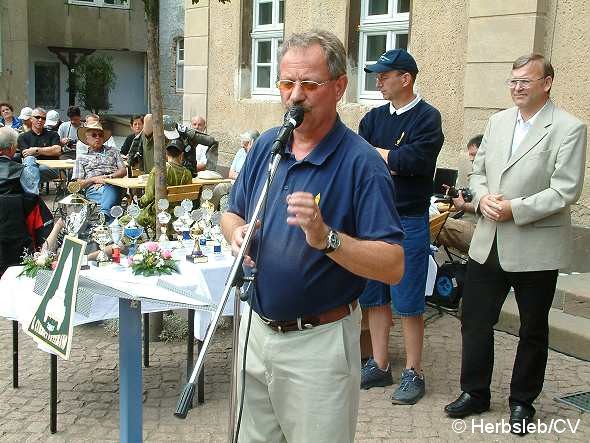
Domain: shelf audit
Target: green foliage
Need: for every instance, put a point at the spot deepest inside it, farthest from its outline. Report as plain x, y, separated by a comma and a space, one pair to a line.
95, 79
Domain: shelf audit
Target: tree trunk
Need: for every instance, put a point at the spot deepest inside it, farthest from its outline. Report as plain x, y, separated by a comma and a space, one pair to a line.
152, 10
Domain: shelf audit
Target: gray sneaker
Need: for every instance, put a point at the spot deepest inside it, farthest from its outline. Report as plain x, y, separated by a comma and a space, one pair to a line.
410, 390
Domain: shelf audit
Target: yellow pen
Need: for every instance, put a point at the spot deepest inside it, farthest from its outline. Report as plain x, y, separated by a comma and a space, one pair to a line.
399, 140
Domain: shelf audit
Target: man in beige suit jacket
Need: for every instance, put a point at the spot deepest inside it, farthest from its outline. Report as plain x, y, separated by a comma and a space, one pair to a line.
527, 173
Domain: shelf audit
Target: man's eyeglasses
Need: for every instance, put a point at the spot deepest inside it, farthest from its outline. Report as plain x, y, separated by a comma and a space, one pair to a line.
94, 134
39, 117
306, 85
525, 83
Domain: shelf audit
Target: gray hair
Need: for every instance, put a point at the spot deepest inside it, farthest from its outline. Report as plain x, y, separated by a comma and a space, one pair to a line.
250, 135
330, 44
40, 111
8, 137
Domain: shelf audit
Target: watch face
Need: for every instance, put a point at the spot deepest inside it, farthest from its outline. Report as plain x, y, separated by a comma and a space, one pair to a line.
333, 240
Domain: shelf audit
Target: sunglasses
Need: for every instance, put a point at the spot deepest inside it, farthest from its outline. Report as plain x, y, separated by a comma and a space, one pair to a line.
39, 117
94, 134
306, 85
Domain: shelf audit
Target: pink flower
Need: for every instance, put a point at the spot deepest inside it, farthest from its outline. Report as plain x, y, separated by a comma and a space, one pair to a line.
152, 246
53, 265
166, 255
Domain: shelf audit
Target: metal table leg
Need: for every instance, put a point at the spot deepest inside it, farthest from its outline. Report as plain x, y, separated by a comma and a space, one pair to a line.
14, 354
146, 340
201, 382
53, 394
130, 377
190, 344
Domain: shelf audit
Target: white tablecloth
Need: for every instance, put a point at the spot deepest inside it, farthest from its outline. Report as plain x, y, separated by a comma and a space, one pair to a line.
205, 281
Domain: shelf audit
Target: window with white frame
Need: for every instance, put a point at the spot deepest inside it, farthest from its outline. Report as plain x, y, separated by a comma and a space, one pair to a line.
384, 25
122, 4
180, 64
267, 36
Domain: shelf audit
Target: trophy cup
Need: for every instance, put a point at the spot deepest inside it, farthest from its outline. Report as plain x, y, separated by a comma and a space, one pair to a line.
206, 196
115, 227
163, 219
132, 229
216, 232
101, 235
75, 220
178, 224
197, 255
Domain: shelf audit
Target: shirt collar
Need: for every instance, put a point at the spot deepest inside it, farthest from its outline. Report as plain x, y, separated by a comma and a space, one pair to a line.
327, 146
530, 121
405, 108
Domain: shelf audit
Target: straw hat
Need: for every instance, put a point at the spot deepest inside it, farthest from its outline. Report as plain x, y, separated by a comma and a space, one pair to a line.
93, 126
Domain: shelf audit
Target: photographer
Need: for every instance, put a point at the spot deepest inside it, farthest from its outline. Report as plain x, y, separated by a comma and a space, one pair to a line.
68, 133
458, 229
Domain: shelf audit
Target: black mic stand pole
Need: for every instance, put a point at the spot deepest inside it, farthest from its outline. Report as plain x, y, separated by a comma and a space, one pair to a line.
186, 397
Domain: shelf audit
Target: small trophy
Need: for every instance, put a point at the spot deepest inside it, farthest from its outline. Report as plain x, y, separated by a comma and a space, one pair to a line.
197, 255
75, 221
163, 219
178, 224
216, 234
132, 229
115, 227
206, 196
101, 235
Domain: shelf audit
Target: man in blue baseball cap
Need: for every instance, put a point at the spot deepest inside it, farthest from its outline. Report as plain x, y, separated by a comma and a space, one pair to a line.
407, 133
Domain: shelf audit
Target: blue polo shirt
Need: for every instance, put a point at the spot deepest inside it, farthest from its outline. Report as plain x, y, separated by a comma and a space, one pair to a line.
354, 191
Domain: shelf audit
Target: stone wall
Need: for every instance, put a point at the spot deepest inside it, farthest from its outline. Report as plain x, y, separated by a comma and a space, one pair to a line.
14, 77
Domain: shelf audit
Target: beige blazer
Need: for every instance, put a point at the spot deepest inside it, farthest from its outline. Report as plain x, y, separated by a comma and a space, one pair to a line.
542, 178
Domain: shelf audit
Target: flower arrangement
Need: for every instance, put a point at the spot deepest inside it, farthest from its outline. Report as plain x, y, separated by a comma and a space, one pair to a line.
34, 262
150, 260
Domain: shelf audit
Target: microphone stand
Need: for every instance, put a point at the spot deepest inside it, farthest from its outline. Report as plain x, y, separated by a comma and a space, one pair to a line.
235, 278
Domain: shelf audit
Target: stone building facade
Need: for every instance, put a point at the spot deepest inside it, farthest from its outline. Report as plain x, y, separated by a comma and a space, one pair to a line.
172, 56
32, 75
464, 49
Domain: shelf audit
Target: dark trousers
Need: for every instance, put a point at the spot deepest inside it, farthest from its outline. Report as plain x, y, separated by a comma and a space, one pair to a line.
485, 291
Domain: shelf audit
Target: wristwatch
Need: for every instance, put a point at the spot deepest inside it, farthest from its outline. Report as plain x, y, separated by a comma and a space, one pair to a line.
332, 243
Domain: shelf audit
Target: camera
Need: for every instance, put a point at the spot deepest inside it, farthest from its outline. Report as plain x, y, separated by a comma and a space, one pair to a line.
454, 193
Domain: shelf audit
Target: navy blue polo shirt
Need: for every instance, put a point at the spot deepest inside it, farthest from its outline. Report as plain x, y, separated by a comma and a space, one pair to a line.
355, 194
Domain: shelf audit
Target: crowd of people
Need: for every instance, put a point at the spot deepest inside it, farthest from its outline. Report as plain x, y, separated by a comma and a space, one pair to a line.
348, 214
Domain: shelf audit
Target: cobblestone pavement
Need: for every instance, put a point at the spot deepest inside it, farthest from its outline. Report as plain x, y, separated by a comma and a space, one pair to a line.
88, 392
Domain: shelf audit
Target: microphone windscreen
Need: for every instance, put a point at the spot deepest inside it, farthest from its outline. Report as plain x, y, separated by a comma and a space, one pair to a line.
295, 114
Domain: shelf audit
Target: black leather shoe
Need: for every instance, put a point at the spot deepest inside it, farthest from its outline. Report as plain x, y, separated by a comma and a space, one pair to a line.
520, 417
465, 405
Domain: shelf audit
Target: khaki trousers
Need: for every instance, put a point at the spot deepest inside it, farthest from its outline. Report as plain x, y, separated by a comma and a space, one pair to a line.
301, 386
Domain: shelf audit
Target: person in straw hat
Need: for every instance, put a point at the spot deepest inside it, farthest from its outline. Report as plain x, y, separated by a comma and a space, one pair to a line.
101, 162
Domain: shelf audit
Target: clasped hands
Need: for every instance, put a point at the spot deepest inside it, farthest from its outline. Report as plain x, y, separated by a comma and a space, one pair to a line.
495, 207
303, 212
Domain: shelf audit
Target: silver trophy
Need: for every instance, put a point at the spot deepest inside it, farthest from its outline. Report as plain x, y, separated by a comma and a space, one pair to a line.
115, 227
178, 224
133, 230
101, 234
76, 220
163, 218
206, 196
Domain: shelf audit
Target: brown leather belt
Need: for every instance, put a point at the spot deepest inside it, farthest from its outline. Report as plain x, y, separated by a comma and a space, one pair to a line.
311, 321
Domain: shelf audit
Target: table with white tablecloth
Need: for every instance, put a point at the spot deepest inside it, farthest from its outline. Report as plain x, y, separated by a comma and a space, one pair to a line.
113, 291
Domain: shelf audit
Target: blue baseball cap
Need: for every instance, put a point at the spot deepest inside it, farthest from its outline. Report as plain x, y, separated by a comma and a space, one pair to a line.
395, 59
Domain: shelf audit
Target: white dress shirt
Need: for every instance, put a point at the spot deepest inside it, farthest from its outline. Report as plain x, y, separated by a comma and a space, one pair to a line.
522, 128
405, 108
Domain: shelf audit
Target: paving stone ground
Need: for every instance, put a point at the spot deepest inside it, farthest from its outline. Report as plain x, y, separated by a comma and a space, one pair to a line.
88, 392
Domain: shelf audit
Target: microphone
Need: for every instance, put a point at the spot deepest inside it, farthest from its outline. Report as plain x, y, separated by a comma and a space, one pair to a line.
293, 118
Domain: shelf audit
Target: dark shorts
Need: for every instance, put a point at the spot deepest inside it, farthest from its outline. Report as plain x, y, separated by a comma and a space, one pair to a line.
408, 296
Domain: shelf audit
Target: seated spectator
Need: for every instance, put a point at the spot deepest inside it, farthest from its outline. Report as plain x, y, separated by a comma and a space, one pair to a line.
176, 175
68, 132
25, 117
98, 164
7, 117
81, 147
53, 121
23, 216
41, 144
458, 229
136, 125
247, 139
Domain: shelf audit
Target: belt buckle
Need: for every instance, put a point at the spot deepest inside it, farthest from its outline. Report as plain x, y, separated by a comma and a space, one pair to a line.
301, 326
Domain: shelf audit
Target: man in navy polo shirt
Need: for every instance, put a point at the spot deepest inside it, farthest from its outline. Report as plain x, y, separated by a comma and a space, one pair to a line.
329, 224
407, 133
